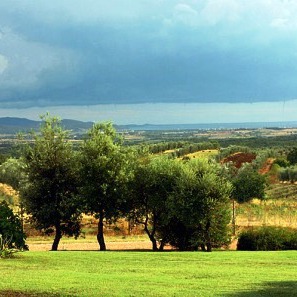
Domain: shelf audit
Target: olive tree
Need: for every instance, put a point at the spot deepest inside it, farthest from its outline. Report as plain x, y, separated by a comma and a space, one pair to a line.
248, 184
50, 195
154, 182
104, 172
200, 204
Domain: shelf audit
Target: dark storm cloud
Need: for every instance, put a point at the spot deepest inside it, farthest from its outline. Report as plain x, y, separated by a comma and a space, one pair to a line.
91, 52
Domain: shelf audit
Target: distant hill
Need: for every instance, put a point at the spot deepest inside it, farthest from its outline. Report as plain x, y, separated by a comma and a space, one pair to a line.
18, 122
11, 125
76, 125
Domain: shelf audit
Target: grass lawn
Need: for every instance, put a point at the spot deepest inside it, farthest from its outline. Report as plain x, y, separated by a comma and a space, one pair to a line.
67, 273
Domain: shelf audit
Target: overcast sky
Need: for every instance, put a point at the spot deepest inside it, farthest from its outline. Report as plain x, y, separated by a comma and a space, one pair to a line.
149, 61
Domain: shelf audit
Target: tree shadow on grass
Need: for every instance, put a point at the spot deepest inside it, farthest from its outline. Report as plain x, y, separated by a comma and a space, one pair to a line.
271, 289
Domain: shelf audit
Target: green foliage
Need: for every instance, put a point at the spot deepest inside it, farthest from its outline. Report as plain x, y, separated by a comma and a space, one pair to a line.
9, 199
282, 162
185, 204
232, 149
248, 184
288, 174
154, 181
262, 156
5, 250
12, 172
11, 231
201, 203
182, 147
3, 158
178, 235
292, 156
105, 168
268, 239
194, 147
50, 192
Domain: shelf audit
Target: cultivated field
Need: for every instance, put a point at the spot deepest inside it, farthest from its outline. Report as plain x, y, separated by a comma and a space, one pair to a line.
87, 274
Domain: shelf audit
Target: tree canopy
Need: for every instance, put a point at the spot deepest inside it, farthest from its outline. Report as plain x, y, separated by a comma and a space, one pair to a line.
50, 192
201, 206
154, 182
104, 172
248, 184
185, 204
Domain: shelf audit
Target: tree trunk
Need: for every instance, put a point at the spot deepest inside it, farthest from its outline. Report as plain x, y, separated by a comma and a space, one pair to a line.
151, 237
58, 236
208, 237
162, 245
100, 235
233, 219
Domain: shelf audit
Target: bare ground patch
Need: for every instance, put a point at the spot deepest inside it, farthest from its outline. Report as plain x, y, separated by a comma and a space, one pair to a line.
92, 246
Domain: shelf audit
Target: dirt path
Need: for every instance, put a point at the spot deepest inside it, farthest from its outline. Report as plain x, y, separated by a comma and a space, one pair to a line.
266, 166
92, 246
112, 246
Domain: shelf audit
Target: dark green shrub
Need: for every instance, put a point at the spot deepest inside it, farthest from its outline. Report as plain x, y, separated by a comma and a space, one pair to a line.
267, 239
5, 250
292, 156
248, 184
178, 235
288, 174
11, 228
282, 162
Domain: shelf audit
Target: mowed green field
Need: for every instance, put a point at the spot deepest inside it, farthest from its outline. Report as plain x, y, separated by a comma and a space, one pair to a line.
71, 273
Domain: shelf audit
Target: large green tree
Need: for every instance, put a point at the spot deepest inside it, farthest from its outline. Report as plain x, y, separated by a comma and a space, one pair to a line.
185, 203
105, 168
200, 204
50, 195
154, 182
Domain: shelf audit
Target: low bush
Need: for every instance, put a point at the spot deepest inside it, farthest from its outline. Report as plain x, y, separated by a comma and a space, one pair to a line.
5, 250
267, 239
282, 162
288, 174
13, 236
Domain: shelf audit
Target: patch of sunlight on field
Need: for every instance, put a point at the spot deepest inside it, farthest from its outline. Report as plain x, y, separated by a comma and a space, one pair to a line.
203, 154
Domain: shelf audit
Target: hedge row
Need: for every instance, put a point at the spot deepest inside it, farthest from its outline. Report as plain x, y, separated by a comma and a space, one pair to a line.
268, 239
